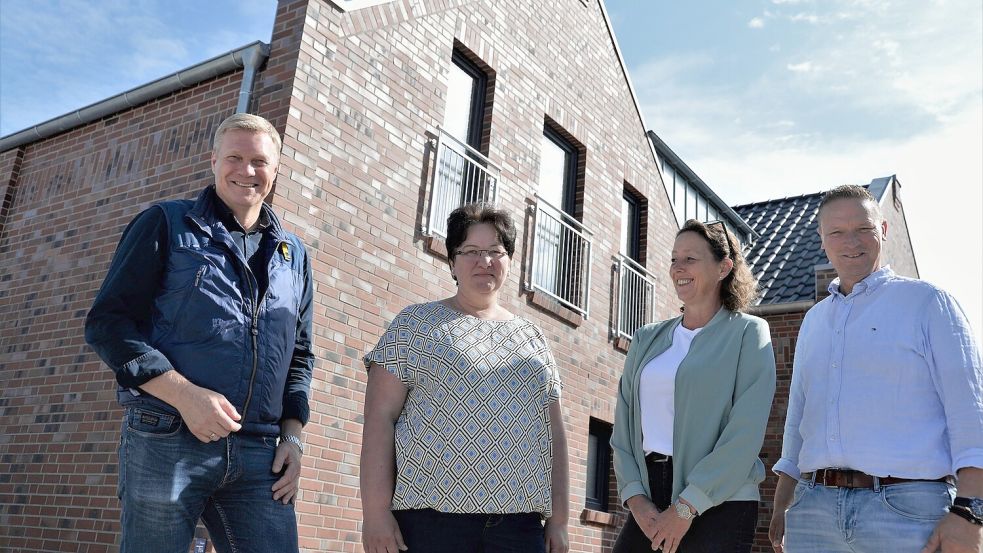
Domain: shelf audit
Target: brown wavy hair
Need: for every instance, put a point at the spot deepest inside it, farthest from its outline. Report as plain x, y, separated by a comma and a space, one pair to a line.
739, 289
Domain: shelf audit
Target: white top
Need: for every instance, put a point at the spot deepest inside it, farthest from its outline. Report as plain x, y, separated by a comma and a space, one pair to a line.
656, 389
886, 380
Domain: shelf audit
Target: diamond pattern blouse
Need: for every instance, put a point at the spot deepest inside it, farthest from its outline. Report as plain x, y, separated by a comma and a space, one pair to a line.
474, 434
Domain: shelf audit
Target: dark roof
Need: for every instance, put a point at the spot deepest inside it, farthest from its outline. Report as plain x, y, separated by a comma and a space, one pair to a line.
787, 251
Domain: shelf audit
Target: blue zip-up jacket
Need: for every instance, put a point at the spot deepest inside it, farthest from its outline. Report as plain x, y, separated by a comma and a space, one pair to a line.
180, 295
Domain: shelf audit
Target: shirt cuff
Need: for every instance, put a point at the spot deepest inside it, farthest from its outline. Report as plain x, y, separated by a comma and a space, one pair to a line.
788, 467
139, 371
295, 406
630, 490
695, 497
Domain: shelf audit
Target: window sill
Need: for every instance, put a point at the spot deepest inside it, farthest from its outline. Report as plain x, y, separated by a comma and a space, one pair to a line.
437, 246
554, 307
599, 518
622, 344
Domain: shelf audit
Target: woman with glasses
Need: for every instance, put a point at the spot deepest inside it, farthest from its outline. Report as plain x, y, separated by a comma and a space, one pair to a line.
463, 445
692, 407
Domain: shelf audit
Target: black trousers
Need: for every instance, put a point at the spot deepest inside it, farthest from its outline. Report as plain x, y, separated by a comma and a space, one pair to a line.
726, 528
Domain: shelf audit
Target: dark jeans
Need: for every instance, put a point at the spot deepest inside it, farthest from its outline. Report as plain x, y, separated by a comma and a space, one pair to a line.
726, 528
430, 531
168, 480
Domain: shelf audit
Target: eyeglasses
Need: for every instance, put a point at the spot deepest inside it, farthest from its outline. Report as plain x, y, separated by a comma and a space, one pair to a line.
481, 254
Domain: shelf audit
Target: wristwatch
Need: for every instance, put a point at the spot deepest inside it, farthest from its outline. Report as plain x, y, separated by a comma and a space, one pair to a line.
973, 506
294, 440
682, 510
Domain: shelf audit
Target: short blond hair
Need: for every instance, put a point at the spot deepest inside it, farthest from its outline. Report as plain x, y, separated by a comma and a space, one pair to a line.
247, 122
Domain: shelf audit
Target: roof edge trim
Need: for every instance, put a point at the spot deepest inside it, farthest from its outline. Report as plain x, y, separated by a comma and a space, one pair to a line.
190, 76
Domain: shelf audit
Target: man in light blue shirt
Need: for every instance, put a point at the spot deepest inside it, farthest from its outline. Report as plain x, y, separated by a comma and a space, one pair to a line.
885, 407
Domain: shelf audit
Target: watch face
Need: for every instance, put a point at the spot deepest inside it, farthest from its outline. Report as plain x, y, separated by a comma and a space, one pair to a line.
974, 504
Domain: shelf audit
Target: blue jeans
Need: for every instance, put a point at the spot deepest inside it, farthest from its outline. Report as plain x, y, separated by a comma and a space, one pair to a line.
430, 531
168, 480
898, 518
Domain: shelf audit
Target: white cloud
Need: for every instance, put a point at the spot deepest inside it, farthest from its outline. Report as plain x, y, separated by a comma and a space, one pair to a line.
803, 67
756, 23
807, 17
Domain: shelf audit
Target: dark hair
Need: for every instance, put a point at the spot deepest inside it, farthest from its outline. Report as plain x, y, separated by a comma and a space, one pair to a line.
463, 218
739, 288
850, 191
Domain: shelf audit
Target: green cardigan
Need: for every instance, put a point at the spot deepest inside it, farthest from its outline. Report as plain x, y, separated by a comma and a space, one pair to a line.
723, 392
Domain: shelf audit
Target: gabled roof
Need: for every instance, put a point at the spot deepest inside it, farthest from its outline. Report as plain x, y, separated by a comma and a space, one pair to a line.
785, 256
787, 251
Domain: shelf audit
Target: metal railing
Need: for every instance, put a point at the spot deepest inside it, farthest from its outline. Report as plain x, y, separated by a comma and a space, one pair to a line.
461, 176
636, 297
561, 257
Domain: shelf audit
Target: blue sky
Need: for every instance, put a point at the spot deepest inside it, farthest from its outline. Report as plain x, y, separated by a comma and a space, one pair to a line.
762, 98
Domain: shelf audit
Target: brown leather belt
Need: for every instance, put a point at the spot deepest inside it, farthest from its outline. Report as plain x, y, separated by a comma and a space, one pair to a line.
846, 478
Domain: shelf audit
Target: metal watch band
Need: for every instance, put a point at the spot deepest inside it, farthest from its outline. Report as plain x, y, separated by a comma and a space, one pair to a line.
294, 440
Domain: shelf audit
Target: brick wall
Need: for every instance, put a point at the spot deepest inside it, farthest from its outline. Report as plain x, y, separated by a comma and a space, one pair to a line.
784, 331
369, 94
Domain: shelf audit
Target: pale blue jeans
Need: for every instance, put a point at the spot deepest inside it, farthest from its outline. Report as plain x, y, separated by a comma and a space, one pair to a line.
891, 519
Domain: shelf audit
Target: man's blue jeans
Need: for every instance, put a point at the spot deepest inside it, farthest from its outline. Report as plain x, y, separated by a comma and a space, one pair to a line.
430, 531
898, 518
168, 480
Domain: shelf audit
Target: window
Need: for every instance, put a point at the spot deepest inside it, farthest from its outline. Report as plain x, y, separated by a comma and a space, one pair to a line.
462, 174
636, 286
558, 171
630, 225
598, 466
561, 245
466, 89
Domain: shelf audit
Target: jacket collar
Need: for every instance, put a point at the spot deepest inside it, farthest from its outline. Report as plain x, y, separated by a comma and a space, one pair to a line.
206, 214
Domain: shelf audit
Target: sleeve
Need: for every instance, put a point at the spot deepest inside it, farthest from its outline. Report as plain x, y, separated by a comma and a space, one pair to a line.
792, 437
296, 393
118, 325
551, 372
392, 352
725, 469
623, 444
953, 354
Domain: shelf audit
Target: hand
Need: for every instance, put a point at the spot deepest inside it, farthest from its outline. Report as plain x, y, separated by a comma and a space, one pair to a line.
287, 455
644, 512
776, 530
557, 538
669, 530
955, 535
207, 414
380, 533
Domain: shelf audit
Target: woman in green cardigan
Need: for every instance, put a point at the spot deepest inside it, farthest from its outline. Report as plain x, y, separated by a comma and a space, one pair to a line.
692, 407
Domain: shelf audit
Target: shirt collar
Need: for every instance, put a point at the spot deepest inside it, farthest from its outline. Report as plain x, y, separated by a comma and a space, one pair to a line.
868, 285
228, 218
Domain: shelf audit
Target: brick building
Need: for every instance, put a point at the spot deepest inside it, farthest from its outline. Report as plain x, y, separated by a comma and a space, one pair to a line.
392, 112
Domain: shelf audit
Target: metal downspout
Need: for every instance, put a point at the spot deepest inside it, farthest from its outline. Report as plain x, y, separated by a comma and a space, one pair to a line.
252, 58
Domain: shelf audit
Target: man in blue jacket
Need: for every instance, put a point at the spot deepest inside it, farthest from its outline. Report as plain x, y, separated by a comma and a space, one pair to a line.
205, 317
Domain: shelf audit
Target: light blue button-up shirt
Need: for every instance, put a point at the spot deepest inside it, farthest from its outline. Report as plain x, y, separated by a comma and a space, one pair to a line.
886, 380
